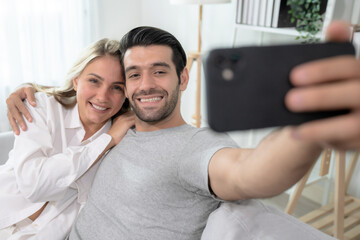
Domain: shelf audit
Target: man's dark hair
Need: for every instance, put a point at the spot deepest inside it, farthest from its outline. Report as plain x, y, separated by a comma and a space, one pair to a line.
146, 36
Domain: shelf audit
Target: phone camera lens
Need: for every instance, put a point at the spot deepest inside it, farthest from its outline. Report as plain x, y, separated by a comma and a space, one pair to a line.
220, 60
227, 74
234, 58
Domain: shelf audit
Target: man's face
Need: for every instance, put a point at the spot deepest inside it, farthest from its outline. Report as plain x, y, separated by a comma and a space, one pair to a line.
152, 84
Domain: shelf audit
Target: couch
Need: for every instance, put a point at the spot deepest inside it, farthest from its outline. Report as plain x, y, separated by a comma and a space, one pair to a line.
243, 220
6, 144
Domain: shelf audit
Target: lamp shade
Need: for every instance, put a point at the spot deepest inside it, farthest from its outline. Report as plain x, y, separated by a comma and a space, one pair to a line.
198, 1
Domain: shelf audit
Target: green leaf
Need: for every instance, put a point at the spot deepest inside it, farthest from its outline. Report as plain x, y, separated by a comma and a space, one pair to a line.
306, 14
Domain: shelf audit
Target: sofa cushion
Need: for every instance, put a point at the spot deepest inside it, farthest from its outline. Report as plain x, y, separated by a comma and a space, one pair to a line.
252, 220
6, 144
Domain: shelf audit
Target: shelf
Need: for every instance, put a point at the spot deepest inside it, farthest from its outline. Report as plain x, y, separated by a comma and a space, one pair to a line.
328, 16
284, 31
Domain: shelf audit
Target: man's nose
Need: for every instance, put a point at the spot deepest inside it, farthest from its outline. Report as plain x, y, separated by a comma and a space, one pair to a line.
147, 82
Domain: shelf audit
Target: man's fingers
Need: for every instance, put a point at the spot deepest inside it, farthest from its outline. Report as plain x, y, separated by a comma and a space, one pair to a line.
341, 131
23, 110
16, 107
17, 118
346, 145
325, 97
13, 124
326, 70
15, 110
329, 84
338, 31
30, 96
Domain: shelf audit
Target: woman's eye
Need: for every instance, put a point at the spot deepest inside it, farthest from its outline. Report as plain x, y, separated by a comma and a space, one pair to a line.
118, 88
93, 80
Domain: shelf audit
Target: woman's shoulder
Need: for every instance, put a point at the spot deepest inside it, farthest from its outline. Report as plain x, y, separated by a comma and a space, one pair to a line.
44, 103
43, 99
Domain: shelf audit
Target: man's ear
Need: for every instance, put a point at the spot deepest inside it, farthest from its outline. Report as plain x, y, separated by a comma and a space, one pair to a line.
75, 83
184, 79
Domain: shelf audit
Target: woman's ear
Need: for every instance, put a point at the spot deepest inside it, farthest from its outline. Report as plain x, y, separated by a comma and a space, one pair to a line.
75, 83
184, 79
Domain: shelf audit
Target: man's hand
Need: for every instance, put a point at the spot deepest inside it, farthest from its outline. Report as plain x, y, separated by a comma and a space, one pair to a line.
121, 125
329, 84
17, 109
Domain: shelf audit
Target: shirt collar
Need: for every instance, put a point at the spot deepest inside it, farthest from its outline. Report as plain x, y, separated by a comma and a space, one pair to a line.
72, 118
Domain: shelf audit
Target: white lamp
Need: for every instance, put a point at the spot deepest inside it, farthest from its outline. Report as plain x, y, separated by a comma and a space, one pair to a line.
196, 56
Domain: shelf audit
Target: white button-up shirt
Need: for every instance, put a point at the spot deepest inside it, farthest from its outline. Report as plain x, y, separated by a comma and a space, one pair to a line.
49, 163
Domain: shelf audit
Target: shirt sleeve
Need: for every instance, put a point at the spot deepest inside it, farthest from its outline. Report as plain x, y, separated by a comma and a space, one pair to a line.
41, 174
193, 168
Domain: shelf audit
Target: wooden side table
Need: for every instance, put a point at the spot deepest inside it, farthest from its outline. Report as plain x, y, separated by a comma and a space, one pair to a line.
340, 218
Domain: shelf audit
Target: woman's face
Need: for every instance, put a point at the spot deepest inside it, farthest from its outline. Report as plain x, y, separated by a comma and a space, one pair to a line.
99, 91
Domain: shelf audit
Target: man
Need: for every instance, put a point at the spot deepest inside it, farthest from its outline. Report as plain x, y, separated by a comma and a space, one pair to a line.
165, 178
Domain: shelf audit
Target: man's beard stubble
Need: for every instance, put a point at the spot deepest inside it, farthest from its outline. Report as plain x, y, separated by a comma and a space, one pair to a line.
161, 114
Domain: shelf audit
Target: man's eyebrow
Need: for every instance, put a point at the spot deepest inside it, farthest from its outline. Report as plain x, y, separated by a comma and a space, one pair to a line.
156, 64
160, 64
131, 68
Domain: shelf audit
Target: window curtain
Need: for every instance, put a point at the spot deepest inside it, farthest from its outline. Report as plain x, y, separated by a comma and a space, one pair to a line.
39, 41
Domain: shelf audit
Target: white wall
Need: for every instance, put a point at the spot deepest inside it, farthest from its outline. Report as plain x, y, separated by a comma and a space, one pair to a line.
116, 17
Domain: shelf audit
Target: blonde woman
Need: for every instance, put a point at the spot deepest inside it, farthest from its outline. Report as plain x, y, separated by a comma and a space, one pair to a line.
49, 172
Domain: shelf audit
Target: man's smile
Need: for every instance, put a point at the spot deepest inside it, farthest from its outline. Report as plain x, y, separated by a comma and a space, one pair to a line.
150, 99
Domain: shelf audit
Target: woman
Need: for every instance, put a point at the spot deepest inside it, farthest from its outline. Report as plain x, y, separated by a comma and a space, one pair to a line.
49, 172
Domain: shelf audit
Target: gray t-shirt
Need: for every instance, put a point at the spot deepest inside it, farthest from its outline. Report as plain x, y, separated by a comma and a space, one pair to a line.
153, 185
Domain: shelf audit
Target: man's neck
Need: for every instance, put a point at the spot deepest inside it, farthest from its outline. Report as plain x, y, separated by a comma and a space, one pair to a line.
142, 126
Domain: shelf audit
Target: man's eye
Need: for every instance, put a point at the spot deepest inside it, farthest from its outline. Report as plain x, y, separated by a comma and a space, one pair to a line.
134, 75
159, 72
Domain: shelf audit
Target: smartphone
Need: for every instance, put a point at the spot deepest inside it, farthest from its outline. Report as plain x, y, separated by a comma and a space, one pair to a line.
246, 86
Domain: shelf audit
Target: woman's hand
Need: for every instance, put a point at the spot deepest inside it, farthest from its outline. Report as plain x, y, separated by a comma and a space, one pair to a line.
121, 125
17, 109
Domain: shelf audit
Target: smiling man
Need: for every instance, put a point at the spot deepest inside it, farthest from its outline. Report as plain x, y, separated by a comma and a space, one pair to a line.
153, 93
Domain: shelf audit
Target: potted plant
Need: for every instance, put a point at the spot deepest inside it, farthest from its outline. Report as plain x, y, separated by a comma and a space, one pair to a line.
307, 14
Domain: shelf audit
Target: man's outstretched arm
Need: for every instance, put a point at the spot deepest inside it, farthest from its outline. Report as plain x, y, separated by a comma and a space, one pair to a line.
284, 157
275, 165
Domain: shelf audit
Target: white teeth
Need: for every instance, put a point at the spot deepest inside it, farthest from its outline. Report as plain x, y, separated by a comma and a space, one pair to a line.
98, 107
150, 99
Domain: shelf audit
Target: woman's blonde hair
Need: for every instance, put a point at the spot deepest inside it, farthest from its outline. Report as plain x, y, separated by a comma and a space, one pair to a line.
66, 95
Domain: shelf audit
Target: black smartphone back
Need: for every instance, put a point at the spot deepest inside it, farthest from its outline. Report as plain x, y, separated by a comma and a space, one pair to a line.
246, 87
